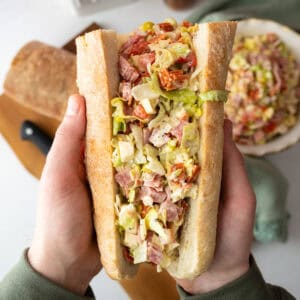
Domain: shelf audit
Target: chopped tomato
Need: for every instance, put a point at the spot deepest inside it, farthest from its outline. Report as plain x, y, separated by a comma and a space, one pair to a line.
166, 26
195, 172
186, 23
171, 80
140, 112
127, 255
270, 127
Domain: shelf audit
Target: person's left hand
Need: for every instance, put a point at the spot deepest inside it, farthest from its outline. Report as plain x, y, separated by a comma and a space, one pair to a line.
64, 247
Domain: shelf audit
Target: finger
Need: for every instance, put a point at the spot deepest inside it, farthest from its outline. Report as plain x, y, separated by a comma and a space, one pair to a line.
68, 142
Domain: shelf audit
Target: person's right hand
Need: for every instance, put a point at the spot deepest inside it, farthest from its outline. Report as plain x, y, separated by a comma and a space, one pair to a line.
235, 224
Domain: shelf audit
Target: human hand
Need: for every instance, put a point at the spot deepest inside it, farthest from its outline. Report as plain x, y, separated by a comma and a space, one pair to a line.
64, 248
235, 224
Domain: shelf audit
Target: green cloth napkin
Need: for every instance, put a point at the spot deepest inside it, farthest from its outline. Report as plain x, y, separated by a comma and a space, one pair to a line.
269, 184
283, 11
270, 188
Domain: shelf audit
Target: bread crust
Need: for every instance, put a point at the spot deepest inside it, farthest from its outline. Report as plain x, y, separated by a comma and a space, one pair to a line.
213, 44
98, 80
42, 77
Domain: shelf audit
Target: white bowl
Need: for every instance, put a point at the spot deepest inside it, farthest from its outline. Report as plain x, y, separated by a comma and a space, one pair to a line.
292, 40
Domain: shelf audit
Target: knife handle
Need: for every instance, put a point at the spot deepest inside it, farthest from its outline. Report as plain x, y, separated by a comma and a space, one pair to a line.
31, 132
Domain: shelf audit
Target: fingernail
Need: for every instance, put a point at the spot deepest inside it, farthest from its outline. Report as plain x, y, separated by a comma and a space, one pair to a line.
73, 106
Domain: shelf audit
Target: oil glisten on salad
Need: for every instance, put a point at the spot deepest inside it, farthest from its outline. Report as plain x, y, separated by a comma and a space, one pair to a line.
156, 139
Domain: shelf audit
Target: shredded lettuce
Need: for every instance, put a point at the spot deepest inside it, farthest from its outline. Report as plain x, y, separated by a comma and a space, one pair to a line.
119, 125
149, 105
160, 116
214, 95
128, 218
131, 196
190, 138
118, 116
137, 133
154, 166
144, 91
179, 50
150, 151
126, 151
183, 95
140, 253
142, 229
131, 240
154, 224
139, 157
164, 58
116, 159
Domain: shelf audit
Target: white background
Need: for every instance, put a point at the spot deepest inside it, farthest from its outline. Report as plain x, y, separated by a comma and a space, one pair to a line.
54, 22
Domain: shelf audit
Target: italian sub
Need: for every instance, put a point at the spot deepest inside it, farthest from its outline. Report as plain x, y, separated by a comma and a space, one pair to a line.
154, 142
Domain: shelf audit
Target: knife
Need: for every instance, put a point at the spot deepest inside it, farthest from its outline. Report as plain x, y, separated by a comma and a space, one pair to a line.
32, 133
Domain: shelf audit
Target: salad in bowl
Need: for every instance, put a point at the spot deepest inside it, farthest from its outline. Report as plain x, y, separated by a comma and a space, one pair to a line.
264, 85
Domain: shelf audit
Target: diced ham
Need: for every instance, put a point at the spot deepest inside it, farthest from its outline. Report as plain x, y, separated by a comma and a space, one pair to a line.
148, 192
146, 135
124, 179
158, 137
128, 110
125, 90
144, 60
154, 253
155, 182
127, 71
173, 211
177, 131
278, 80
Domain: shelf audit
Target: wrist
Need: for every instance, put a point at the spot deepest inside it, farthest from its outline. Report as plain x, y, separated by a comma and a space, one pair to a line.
70, 276
212, 280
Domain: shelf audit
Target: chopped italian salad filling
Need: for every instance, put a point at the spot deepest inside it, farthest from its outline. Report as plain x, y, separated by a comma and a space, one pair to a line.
156, 139
264, 80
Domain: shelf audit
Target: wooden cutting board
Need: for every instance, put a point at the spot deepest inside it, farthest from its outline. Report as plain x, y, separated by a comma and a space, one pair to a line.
147, 284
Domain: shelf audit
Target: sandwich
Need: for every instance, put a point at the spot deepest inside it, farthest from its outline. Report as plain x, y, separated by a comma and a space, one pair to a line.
154, 142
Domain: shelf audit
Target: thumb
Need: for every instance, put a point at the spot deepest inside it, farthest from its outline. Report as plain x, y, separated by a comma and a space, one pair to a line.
238, 199
66, 150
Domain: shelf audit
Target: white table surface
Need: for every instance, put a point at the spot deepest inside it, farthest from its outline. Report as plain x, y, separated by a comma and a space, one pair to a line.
54, 22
